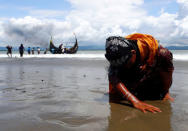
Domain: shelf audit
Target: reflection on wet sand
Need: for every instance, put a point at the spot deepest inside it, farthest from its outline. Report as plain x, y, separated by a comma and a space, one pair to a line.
126, 118
38, 95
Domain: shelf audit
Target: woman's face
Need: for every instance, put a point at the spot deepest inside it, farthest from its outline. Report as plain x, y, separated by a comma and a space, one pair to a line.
132, 60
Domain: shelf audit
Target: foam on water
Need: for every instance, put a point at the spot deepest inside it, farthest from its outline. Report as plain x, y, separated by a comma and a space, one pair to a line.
181, 57
82, 56
176, 56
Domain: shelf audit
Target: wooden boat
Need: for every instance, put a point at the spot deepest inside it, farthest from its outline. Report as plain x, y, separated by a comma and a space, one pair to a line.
57, 50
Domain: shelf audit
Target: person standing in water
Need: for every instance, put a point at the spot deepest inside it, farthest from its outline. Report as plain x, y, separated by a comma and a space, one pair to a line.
33, 51
21, 50
9, 50
29, 50
45, 50
38, 50
61, 48
140, 69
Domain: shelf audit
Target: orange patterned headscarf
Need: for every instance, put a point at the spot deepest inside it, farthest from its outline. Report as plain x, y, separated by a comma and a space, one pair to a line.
148, 47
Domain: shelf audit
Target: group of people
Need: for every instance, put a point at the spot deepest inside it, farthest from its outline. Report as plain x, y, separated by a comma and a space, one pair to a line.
140, 69
22, 49
9, 50
32, 51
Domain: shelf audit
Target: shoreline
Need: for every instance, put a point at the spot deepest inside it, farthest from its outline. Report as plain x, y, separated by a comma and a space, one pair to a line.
72, 94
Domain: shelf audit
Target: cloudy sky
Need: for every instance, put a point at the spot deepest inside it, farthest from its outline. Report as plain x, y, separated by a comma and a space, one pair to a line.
33, 22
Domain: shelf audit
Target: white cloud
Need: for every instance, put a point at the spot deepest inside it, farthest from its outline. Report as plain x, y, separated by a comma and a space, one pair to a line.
93, 21
183, 1
100, 18
26, 30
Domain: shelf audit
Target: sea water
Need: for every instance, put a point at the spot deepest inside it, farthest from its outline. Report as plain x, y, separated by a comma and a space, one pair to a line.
178, 55
70, 92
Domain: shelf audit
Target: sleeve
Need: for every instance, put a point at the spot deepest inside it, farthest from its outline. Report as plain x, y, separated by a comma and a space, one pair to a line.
113, 76
165, 59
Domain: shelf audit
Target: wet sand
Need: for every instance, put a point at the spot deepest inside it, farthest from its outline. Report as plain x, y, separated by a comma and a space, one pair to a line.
72, 95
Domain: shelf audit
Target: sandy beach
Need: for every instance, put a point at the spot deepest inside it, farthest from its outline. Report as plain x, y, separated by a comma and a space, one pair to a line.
71, 94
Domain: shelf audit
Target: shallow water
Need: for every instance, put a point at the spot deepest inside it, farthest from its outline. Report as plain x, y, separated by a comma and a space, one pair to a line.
71, 94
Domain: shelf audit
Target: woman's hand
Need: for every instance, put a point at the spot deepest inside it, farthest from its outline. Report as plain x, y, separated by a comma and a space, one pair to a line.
136, 103
168, 97
145, 107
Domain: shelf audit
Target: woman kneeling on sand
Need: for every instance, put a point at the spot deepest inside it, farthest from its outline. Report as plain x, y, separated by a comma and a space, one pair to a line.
140, 69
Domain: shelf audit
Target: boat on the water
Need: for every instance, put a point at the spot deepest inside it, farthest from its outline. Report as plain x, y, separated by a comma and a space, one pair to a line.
61, 50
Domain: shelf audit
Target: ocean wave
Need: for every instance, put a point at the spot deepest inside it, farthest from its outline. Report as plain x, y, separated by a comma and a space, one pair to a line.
83, 56
181, 57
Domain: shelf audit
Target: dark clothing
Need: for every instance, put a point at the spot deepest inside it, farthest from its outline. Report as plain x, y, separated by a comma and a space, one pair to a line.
21, 50
33, 51
45, 51
29, 50
9, 49
144, 84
